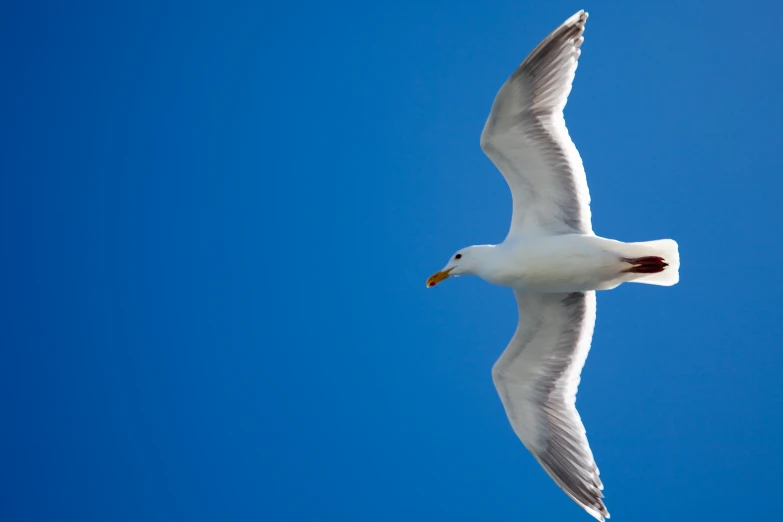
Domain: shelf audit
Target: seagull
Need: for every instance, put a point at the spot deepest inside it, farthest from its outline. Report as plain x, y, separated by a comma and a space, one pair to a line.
553, 262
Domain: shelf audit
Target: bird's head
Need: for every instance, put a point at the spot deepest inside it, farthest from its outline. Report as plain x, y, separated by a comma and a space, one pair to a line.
467, 261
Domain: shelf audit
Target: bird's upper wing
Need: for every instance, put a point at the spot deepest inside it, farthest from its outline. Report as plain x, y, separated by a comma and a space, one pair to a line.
526, 138
537, 377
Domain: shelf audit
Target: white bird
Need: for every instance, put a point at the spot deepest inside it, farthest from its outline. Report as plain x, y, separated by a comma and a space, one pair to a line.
554, 263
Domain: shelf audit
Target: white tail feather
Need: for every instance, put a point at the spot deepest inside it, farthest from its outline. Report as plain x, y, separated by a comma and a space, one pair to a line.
665, 248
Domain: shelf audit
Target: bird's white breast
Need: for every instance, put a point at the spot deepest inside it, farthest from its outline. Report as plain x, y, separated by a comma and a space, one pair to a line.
562, 263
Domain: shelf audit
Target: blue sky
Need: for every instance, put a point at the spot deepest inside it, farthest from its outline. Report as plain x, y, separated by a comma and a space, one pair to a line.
218, 218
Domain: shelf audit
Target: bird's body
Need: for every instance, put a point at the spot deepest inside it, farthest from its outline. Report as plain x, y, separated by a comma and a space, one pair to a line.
560, 263
554, 263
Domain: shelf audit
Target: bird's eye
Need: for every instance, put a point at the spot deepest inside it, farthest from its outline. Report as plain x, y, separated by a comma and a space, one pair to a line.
458, 256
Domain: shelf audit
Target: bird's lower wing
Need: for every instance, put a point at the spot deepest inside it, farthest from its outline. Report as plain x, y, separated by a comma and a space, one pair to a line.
537, 377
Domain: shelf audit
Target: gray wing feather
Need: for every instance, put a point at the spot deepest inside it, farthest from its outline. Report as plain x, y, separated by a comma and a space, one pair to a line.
526, 138
537, 378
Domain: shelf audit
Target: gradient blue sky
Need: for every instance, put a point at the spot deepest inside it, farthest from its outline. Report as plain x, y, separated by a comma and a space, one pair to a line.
217, 220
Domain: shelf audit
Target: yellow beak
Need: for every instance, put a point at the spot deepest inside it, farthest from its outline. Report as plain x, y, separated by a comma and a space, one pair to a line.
437, 277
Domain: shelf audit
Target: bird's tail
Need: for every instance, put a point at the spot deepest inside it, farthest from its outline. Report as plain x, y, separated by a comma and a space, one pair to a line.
656, 262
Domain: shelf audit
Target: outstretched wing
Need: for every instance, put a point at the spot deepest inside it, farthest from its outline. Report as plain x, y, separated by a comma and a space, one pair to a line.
537, 377
526, 138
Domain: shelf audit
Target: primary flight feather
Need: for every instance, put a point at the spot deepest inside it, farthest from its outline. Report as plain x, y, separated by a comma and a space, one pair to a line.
554, 263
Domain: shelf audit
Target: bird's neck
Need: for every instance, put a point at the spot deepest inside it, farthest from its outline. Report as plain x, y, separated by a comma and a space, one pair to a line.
483, 257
